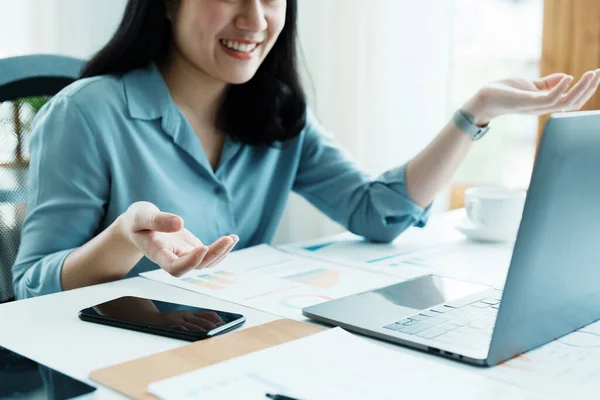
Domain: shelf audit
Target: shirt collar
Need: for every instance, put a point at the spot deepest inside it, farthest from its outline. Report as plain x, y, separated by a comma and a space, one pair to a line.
147, 94
148, 98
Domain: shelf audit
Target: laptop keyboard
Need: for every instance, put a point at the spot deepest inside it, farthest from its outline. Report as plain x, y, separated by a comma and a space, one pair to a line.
469, 326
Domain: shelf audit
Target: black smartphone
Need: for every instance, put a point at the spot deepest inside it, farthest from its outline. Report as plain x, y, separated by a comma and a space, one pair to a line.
162, 318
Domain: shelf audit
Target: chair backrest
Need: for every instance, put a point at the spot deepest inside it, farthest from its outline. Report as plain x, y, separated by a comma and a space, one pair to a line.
26, 84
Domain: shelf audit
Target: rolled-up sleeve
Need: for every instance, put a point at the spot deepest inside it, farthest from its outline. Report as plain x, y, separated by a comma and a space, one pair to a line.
378, 209
67, 192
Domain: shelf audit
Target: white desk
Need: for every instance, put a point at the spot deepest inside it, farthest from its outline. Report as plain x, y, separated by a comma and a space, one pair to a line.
48, 330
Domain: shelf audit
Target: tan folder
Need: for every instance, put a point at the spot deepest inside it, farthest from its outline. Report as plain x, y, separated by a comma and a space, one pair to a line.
131, 378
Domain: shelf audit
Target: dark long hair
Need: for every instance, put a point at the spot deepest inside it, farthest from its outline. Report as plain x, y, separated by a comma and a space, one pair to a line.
270, 107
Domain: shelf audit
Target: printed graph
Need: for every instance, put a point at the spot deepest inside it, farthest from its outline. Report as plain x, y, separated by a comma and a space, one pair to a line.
321, 278
217, 280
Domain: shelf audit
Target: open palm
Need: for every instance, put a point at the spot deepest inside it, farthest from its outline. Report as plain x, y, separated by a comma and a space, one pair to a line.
162, 238
545, 95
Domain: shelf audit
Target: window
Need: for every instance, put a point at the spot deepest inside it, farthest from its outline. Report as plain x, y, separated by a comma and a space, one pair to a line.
16, 118
495, 39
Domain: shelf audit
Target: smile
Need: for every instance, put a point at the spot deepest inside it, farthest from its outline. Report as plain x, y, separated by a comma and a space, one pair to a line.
238, 46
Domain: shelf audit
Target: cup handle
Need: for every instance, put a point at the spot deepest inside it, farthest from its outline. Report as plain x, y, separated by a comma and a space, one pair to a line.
473, 210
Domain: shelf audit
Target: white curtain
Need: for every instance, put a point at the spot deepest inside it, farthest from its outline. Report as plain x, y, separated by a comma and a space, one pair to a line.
76, 28
381, 81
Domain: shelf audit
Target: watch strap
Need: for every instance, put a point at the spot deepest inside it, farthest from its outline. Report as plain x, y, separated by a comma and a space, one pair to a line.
465, 122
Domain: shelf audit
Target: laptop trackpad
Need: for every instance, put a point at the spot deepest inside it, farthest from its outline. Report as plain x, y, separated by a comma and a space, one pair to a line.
427, 291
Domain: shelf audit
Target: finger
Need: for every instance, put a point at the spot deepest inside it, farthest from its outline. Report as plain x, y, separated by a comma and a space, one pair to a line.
191, 239
590, 91
523, 84
215, 251
164, 258
533, 101
222, 256
158, 250
225, 253
188, 262
209, 315
576, 97
579, 90
156, 221
549, 81
554, 95
184, 249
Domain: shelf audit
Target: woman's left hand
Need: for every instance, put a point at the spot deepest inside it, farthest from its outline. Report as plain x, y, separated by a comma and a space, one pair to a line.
521, 96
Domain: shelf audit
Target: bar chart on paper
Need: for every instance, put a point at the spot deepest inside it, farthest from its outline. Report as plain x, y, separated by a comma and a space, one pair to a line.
268, 279
214, 281
317, 278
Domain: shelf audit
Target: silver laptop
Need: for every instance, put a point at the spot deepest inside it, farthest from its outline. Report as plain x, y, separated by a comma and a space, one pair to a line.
553, 283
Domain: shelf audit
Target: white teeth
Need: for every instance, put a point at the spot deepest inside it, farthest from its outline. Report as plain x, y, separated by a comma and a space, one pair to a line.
242, 47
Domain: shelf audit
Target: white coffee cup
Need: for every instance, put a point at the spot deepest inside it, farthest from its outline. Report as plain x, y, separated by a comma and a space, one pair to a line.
495, 208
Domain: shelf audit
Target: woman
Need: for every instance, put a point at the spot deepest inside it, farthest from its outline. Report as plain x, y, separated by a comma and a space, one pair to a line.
194, 112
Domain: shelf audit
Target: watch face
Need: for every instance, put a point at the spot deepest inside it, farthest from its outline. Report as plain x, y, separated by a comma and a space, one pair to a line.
480, 133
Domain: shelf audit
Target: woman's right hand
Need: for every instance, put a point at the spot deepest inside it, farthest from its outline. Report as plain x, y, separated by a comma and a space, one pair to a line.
162, 238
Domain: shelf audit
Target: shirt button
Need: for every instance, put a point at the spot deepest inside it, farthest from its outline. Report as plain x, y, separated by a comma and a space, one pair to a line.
218, 190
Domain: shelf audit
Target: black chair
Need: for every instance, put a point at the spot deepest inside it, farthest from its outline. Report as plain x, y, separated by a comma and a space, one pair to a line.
26, 84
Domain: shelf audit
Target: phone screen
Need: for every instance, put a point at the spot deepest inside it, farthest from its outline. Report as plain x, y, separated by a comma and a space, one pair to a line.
162, 318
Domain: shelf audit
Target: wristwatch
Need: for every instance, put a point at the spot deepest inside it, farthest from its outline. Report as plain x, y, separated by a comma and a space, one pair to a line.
464, 121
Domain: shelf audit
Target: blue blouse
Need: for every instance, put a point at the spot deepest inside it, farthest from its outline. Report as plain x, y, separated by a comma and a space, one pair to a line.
106, 142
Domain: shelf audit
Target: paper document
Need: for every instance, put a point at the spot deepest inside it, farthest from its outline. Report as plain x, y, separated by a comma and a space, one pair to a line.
474, 262
333, 364
568, 367
416, 254
349, 247
271, 280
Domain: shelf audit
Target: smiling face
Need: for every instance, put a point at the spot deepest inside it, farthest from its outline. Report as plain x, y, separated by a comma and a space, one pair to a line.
227, 39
